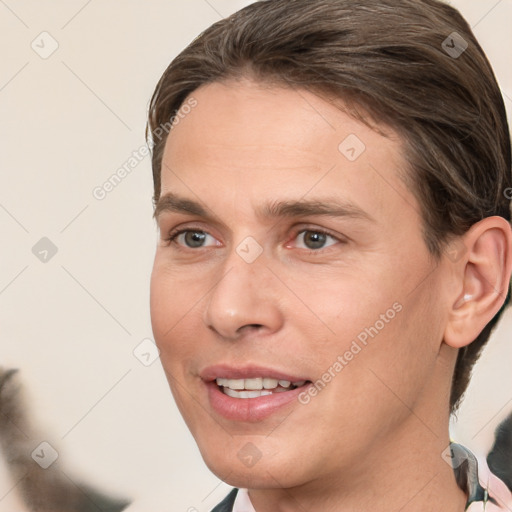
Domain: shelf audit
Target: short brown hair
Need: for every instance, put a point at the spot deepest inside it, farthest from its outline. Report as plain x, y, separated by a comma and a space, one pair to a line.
413, 65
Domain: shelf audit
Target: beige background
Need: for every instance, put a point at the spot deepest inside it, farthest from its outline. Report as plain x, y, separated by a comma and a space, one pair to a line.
68, 122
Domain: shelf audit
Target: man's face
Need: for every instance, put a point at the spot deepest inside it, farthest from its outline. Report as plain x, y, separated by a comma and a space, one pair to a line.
296, 255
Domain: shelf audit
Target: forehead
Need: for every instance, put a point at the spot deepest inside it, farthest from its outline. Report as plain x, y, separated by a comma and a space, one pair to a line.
247, 113
252, 138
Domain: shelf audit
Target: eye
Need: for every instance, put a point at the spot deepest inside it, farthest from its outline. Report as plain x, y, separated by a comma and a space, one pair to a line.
314, 240
192, 238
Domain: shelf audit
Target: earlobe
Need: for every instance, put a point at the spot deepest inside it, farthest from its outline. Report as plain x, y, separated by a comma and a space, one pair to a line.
484, 281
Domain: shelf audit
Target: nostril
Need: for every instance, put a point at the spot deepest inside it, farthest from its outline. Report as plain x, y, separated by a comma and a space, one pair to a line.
250, 327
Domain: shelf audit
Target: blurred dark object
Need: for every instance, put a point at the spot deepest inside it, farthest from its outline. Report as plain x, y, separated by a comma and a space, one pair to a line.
499, 459
42, 490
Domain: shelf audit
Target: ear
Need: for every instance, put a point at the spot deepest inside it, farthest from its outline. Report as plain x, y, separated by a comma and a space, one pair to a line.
483, 280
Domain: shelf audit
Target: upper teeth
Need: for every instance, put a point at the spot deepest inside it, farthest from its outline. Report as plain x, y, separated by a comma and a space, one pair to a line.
257, 383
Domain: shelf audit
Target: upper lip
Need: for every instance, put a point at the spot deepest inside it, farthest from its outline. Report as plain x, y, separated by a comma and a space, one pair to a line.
224, 371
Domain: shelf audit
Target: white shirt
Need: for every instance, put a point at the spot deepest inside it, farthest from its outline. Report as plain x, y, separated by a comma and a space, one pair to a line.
243, 502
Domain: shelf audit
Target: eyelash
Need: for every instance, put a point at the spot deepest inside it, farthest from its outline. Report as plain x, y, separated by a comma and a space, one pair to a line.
173, 235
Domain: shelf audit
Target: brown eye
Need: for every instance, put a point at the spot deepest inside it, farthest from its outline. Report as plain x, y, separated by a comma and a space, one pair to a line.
194, 238
314, 240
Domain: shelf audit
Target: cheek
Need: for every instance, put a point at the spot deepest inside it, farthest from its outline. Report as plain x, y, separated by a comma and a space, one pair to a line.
172, 294
347, 304
171, 305
375, 323
401, 346
172, 310
162, 301
177, 302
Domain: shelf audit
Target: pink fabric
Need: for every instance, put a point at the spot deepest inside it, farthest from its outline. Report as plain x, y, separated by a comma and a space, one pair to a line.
496, 489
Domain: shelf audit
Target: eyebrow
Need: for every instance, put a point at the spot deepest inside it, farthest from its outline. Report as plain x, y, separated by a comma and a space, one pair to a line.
330, 207
172, 203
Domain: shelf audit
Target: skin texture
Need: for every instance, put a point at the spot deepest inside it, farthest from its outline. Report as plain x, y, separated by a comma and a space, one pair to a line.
372, 438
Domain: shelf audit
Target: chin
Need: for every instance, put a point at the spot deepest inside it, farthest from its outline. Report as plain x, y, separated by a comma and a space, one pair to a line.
259, 476
252, 462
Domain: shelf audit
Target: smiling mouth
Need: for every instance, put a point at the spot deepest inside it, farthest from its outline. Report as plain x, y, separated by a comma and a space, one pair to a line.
256, 387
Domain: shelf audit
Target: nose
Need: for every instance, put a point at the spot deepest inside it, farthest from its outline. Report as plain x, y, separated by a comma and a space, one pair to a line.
245, 299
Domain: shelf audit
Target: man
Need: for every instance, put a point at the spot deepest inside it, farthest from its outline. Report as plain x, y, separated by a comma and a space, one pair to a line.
331, 192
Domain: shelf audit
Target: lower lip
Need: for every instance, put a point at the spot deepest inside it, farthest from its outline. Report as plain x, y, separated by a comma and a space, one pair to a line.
250, 409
